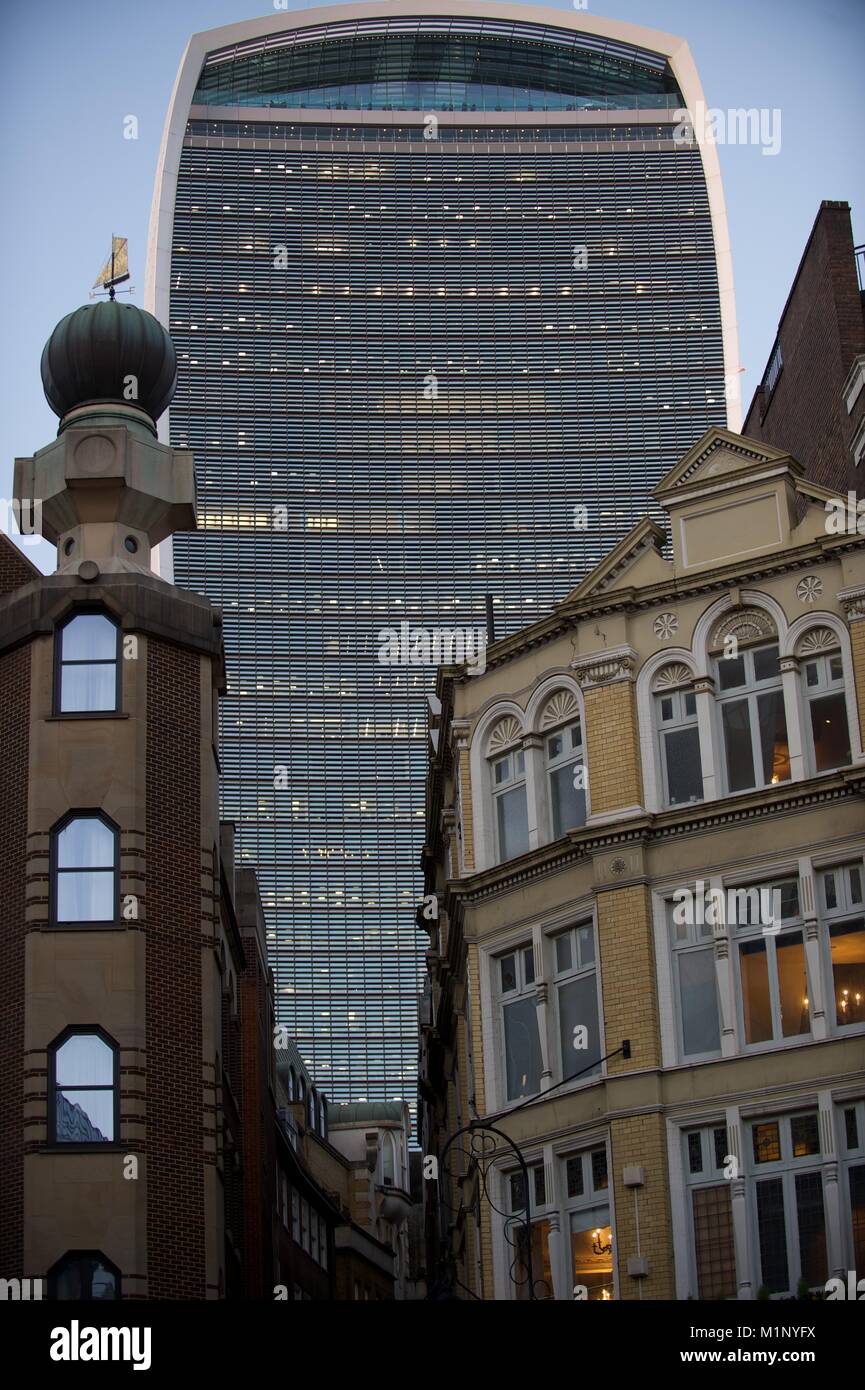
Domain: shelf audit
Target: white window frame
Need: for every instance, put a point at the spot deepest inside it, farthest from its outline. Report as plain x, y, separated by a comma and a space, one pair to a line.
827, 684
786, 1168
515, 780
742, 934
697, 938
681, 720
563, 977
523, 952
750, 692
847, 909
573, 756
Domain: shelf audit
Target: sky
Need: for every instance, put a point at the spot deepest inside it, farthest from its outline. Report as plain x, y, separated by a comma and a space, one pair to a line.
71, 71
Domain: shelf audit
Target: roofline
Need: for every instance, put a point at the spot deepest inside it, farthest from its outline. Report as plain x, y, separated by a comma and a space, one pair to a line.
669, 46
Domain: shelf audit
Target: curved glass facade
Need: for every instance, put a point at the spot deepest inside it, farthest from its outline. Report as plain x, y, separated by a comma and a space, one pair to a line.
403, 363
410, 65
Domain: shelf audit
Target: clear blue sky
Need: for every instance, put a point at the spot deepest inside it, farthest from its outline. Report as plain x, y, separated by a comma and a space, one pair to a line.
73, 69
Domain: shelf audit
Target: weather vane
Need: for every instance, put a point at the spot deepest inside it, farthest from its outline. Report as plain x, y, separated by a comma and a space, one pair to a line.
115, 269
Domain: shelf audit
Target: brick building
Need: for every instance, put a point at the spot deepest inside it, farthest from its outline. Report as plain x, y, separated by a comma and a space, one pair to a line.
645, 878
811, 398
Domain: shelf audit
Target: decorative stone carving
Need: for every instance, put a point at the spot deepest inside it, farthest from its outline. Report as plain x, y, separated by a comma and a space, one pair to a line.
809, 589
561, 708
506, 733
665, 625
746, 625
604, 669
815, 640
677, 673
853, 603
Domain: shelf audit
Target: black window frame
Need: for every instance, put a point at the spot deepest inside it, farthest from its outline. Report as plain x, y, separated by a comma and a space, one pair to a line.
87, 1146
83, 813
80, 611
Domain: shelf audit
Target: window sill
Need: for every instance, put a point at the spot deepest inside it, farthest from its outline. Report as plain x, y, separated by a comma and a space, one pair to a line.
87, 714
84, 926
54, 1148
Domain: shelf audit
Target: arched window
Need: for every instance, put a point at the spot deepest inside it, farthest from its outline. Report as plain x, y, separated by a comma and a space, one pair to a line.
565, 761
84, 869
310, 1109
84, 1274
822, 675
88, 648
508, 782
82, 1088
750, 699
292, 1084
388, 1160
675, 716
323, 1118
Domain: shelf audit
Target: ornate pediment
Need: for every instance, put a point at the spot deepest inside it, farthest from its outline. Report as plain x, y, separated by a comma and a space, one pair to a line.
505, 734
561, 708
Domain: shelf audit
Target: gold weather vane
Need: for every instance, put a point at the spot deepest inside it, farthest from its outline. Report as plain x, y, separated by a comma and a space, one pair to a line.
116, 267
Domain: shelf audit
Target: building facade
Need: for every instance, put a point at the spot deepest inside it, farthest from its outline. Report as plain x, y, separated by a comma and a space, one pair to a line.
449, 298
812, 394
645, 868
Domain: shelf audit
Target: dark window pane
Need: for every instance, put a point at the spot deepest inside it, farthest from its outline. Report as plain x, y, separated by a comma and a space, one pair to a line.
857, 1213
84, 1278
805, 1134
563, 952
600, 1177
508, 966
719, 1138
812, 1228
513, 821
713, 1243
830, 732
737, 745
522, 1048
586, 944
529, 965
766, 663
541, 1270
772, 1234
569, 802
731, 672
773, 737
767, 1142
578, 1008
684, 773
574, 1176
851, 1129
695, 1153
540, 1186
690, 703
698, 1002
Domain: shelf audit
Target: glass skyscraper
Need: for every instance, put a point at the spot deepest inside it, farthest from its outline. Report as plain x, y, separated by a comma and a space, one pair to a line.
437, 284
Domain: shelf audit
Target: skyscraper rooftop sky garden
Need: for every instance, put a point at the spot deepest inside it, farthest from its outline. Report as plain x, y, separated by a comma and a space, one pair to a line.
438, 278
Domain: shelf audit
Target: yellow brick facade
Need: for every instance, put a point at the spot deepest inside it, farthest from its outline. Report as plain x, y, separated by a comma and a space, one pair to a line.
613, 747
639, 1141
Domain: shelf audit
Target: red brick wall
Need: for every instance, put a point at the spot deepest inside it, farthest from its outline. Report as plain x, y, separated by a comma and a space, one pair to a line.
175, 1115
822, 330
15, 569
259, 1173
14, 753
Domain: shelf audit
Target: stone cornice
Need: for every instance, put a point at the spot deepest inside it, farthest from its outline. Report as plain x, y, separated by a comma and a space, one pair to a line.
853, 603
606, 667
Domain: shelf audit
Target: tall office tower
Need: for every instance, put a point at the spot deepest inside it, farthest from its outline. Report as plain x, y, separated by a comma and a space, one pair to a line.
439, 276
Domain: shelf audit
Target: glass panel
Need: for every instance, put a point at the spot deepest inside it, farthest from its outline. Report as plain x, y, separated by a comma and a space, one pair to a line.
85, 843
713, 1242
522, 1048
666, 708
766, 1138
766, 663
812, 1228
592, 1252
578, 1007
851, 1129
502, 771
518, 1192
836, 668
684, 773
792, 984
87, 688
529, 965
695, 1153
574, 1176
847, 944
577, 736
563, 952
554, 746
829, 891
84, 1060
719, 1139
586, 943
756, 1006
698, 1002
772, 1233
789, 897
84, 1117
569, 802
540, 1186
855, 876
737, 745
773, 737
85, 897
690, 703
731, 672
830, 732
89, 637
805, 1135
513, 820
812, 673
508, 965
600, 1177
